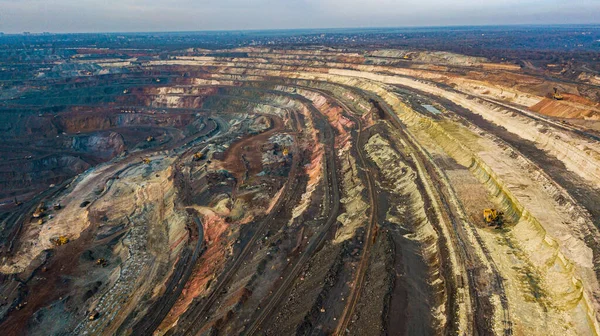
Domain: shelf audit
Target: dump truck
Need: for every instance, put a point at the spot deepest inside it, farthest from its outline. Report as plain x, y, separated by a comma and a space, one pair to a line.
492, 217
39, 211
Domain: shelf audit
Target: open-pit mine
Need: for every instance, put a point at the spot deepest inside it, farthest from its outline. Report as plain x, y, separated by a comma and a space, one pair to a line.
296, 190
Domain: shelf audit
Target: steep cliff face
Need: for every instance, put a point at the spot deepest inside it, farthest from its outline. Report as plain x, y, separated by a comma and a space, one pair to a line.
105, 146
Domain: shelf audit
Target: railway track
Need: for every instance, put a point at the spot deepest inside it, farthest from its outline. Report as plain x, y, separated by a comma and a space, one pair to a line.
198, 313
162, 306
332, 185
369, 239
457, 218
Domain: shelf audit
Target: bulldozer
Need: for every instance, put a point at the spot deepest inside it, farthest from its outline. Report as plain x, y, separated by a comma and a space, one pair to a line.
557, 95
198, 156
492, 217
61, 240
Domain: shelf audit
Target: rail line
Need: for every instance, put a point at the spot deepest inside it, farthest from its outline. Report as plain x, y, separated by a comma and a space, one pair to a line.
315, 243
192, 326
446, 191
369, 239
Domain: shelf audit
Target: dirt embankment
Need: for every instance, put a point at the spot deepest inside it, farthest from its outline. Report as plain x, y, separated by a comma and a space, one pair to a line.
569, 108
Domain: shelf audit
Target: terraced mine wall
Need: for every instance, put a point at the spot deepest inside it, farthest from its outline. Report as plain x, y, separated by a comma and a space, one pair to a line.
545, 251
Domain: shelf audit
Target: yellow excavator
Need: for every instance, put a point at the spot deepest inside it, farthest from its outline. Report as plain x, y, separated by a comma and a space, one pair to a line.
492, 217
286, 151
146, 160
150, 138
61, 240
198, 156
557, 95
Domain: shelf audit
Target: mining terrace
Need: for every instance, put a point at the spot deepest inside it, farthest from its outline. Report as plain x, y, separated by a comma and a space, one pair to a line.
309, 191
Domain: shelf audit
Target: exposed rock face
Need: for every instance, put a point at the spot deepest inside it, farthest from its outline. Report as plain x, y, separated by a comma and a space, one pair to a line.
105, 146
299, 191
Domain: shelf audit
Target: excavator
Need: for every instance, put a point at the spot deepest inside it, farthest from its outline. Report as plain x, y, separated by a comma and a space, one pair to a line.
198, 156
61, 240
492, 217
286, 151
149, 139
146, 160
557, 95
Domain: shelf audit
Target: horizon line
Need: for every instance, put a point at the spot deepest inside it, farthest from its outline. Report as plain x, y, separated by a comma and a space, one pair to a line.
23, 33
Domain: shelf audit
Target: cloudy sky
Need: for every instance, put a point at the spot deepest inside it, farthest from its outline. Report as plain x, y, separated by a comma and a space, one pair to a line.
178, 15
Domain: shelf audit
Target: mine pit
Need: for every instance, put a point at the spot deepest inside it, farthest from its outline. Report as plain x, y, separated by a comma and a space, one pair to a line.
282, 190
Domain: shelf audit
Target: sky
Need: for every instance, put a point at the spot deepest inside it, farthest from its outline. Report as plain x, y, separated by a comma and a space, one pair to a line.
57, 16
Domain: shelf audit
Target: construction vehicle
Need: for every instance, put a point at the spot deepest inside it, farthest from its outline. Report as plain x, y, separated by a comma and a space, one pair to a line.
101, 262
286, 151
198, 156
556, 95
17, 202
61, 240
146, 160
39, 211
150, 138
57, 206
492, 217
94, 315
40, 221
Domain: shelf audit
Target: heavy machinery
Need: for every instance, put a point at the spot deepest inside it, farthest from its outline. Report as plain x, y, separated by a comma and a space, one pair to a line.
286, 151
61, 240
557, 95
492, 217
150, 138
94, 315
39, 211
101, 262
57, 206
146, 160
198, 156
